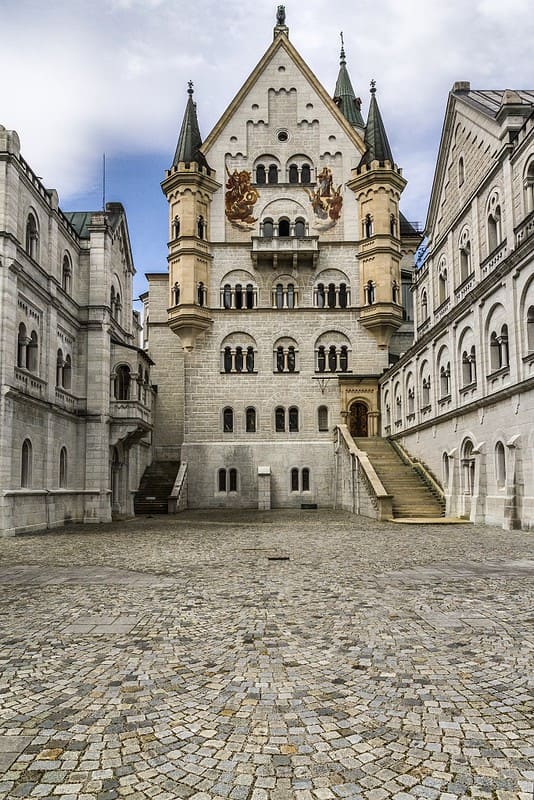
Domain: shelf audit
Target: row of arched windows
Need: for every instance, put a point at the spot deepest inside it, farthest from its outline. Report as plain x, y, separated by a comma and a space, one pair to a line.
468, 467
26, 466
242, 359
228, 480
27, 349
285, 420
31, 246
123, 382
283, 228
63, 371
270, 173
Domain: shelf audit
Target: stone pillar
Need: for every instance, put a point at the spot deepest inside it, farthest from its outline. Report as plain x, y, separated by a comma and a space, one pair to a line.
264, 488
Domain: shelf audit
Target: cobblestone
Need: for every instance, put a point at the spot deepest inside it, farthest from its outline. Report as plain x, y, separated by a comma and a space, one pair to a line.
174, 657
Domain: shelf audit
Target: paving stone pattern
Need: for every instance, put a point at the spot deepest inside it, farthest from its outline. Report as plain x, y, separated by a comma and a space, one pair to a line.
184, 657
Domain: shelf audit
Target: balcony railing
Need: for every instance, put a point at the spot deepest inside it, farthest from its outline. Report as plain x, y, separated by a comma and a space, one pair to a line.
69, 401
442, 309
129, 410
494, 258
29, 383
525, 230
299, 250
465, 287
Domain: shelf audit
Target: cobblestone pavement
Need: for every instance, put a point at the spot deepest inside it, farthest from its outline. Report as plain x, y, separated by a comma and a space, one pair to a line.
305, 655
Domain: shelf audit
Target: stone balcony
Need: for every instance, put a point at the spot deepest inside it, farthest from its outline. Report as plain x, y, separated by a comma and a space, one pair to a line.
494, 258
525, 230
130, 421
77, 405
294, 251
30, 384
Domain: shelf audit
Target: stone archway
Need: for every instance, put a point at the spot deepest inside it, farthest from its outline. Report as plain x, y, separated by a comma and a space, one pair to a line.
358, 419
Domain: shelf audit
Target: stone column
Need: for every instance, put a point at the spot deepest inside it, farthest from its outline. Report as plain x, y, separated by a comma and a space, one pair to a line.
264, 488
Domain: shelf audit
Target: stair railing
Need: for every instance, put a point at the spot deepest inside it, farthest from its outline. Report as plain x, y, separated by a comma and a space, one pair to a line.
177, 500
357, 487
420, 468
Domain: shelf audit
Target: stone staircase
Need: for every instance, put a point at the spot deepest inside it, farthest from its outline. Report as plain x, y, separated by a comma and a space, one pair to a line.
411, 496
155, 487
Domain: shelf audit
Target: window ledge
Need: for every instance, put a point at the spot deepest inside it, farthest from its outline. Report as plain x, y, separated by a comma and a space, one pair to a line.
468, 387
285, 372
498, 373
425, 409
243, 372
410, 417
443, 400
529, 358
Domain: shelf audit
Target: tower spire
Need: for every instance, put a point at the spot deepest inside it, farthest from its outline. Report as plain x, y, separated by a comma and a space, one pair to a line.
344, 96
189, 140
376, 139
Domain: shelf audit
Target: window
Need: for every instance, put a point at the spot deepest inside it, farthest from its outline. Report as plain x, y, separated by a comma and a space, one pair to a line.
300, 479
321, 359
392, 225
66, 274
300, 228
261, 177
62, 467
285, 296
201, 229
273, 174
250, 359
26, 464
228, 420
320, 296
32, 237
176, 227
22, 343
332, 295
411, 401
530, 329
249, 296
32, 353
424, 305
283, 228
238, 295
293, 173
494, 223
469, 370
305, 174
67, 373
426, 392
446, 470
369, 293
238, 359
176, 294
122, 383
461, 171
201, 294
334, 358
59, 368
343, 295
293, 415
280, 419
285, 357
465, 256
221, 480
227, 480
499, 353
250, 420
368, 227
468, 468
395, 292
500, 465
322, 418
529, 188
445, 381
443, 290
268, 228
233, 480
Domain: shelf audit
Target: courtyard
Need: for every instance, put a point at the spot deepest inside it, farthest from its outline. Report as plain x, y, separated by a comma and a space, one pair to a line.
306, 655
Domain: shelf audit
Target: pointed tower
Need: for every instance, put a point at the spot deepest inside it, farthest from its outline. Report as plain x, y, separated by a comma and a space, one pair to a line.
189, 186
344, 97
378, 183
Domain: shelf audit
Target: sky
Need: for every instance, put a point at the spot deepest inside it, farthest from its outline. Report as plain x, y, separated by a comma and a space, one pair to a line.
84, 77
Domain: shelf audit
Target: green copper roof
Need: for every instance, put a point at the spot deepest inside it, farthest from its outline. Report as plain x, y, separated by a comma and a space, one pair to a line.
344, 96
189, 141
378, 148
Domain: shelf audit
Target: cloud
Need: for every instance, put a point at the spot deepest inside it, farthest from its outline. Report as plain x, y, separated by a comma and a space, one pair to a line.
89, 77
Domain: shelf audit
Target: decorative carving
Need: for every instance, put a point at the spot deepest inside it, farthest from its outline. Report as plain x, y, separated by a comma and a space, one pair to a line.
240, 199
326, 200
281, 15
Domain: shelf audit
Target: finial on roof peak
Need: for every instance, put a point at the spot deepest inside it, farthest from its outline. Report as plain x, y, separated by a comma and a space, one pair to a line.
281, 15
342, 59
373, 86
190, 88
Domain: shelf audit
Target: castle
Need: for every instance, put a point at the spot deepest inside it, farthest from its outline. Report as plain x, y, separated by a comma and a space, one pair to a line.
275, 350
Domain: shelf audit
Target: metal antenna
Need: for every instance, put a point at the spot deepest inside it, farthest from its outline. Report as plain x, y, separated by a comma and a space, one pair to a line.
103, 181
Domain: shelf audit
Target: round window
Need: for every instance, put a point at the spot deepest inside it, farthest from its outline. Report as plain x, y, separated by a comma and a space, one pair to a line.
283, 136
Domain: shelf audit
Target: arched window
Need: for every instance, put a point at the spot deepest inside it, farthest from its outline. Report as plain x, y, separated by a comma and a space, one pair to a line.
445, 378
468, 468
321, 359
176, 227
283, 228
227, 296
322, 418
392, 225
62, 467
443, 290
250, 359
67, 373
228, 420
250, 420
505, 354
227, 359
465, 256
320, 295
305, 479
494, 225
369, 293
426, 392
343, 296
293, 173
66, 274
424, 305
59, 368
469, 369
268, 228
26, 464
201, 294
22, 343
294, 480
122, 382
461, 171
368, 226
280, 359
331, 295
176, 294
112, 302
446, 470
293, 416
530, 329
279, 295
280, 419
529, 188
411, 401
500, 465
290, 295
395, 292
221, 480
499, 352
201, 229
238, 295
332, 358
32, 237
291, 360
249, 296
261, 177
238, 360
273, 174
300, 228
344, 358
495, 353
232, 480
305, 174
32, 353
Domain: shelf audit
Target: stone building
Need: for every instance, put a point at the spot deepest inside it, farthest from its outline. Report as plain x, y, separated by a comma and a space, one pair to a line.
462, 399
282, 306
75, 399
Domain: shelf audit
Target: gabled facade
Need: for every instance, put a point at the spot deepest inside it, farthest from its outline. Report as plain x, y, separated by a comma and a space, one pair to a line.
284, 290
462, 399
75, 399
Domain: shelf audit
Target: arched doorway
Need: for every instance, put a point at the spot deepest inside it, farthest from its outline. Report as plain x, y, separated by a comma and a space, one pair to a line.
358, 419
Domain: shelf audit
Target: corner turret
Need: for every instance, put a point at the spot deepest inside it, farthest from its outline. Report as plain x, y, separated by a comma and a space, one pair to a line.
344, 96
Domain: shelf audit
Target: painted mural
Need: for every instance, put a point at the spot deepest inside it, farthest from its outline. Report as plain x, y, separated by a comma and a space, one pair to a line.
240, 199
326, 201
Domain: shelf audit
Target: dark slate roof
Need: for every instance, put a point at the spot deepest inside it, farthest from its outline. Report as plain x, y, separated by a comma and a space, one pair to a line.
407, 228
189, 141
489, 101
376, 139
80, 220
344, 96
